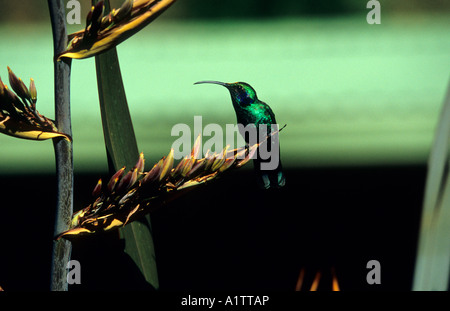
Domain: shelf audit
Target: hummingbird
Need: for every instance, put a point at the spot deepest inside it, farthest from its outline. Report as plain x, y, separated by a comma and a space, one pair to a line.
250, 110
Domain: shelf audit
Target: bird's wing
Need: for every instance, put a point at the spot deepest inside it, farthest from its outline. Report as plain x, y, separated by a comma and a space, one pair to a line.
269, 116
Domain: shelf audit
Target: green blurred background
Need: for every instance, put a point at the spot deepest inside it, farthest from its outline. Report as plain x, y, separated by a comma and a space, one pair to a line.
351, 93
361, 103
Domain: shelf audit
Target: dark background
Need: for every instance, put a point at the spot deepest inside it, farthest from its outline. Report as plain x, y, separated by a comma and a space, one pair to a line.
32, 11
232, 236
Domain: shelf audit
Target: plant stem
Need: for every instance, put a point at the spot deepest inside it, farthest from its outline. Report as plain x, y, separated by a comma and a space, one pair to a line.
63, 149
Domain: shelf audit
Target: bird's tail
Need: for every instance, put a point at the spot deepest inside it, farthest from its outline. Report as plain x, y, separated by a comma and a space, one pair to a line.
267, 166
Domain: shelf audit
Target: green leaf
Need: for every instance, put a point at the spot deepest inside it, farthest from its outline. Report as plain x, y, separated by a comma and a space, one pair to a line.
433, 257
120, 140
122, 151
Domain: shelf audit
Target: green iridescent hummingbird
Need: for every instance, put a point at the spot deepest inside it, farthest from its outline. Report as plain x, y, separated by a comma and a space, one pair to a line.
250, 110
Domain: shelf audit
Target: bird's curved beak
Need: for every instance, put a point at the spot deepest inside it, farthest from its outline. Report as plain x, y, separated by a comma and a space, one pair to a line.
213, 82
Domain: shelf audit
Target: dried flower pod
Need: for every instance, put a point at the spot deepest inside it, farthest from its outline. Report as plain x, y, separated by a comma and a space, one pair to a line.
114, 180
199, 165
197, 148
33, 91
249, 155
98, 189
188, 163
123, 12
18, 86
227, 164
153, 174
128, 180
219, 160
167, 165
179, 168
141, 163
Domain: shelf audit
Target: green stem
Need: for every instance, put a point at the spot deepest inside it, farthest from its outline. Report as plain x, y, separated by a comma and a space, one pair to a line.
63, 149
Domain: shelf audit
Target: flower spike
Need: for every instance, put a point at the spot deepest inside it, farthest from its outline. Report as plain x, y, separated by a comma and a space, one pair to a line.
18, 114
105, 32
128, 197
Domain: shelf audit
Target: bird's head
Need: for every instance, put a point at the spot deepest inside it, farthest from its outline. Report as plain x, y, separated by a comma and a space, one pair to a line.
242, 94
